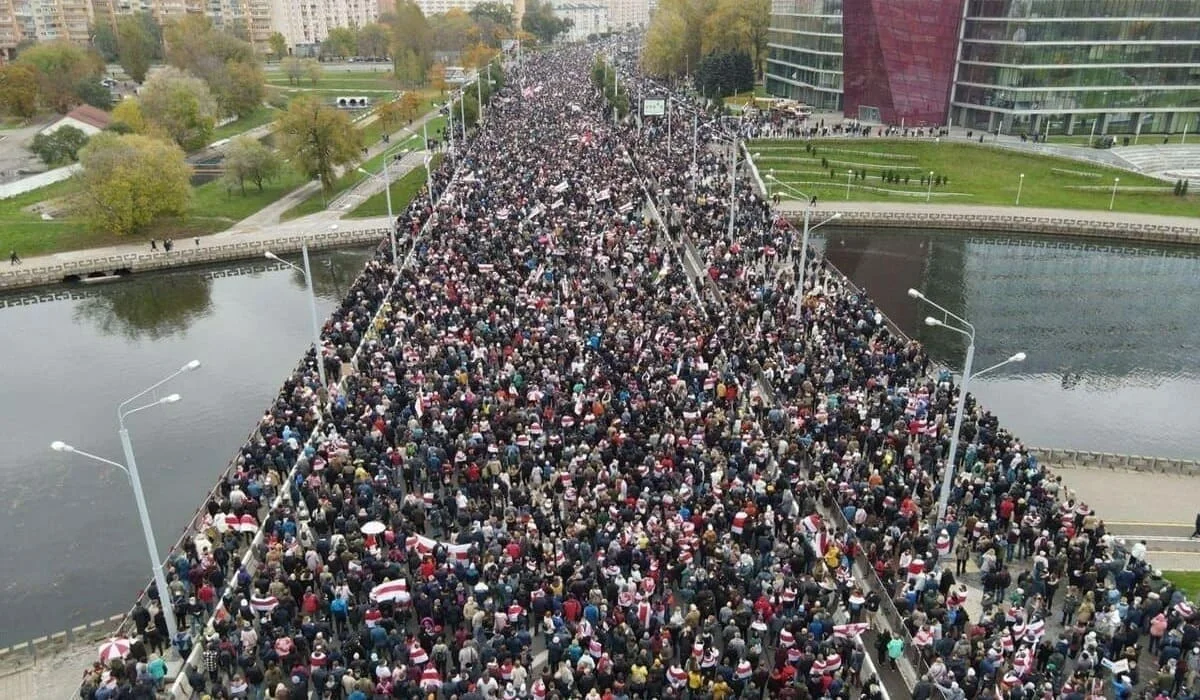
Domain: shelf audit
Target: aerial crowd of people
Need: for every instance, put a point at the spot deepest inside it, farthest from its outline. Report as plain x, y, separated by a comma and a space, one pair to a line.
588, 440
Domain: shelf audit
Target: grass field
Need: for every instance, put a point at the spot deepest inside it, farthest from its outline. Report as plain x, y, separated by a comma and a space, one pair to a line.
403, 190
979, 175
257, 118
1187, 581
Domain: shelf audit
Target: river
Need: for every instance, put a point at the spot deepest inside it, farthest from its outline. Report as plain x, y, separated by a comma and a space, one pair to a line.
72, 547
1109, 331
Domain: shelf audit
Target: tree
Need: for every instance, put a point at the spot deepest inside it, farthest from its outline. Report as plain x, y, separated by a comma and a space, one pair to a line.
453, 31
19, 89
278, 44
92, 92
340, 42
478, 56
739, 25
129, 113
317, 138
389, 114
437, 77
210, 54
411, 40
247, 89
60, 146
293, 68
248, 159
313, 70
182, 105
136, 47
128, 182
540, 21
373, 40
104, 40
61, 68
674, 40
409, 105
725, 73
494, 22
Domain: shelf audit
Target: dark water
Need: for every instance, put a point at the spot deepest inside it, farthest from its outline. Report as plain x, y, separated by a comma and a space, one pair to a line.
1111, 331
72, 548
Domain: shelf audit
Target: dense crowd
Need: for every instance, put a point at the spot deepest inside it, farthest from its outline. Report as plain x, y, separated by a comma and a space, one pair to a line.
568, 454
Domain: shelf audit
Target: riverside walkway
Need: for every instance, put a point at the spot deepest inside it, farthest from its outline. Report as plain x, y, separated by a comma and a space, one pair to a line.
547, 412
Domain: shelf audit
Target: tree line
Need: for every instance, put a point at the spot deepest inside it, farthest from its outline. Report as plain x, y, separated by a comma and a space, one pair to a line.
722, 43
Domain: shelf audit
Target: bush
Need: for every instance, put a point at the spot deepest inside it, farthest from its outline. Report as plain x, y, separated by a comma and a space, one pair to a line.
60, 146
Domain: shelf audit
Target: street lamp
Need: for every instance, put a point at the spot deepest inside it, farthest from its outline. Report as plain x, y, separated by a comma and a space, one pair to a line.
387, 190
312, 302
1113, 200
131, 471
929, 191
1019, 184
968, 331
849, 176
804, 251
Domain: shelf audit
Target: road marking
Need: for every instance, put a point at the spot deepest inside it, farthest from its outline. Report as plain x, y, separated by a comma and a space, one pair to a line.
1156, 538
1145, 524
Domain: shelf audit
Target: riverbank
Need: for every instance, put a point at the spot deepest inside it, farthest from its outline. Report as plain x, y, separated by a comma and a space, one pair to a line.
115, 261
1112, 226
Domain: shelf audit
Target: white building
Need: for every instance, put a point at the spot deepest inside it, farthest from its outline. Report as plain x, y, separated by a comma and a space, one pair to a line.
587, 18
434, 7
306, 24
628, 14
88, 119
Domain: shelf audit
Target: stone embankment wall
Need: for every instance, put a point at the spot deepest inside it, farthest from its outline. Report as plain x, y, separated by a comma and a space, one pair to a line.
1107, 460
185, 254
1132, 231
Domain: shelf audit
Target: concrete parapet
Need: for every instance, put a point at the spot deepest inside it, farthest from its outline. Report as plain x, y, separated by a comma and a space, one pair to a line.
183, 256
1106, 460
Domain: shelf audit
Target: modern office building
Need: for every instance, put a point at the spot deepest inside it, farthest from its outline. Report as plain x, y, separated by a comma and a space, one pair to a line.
1018, 66
1122, 66
804, 57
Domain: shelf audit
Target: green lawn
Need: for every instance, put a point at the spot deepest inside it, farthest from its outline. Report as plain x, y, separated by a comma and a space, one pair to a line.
382, 80
981, 175
260, 116
1187, 581
403, 190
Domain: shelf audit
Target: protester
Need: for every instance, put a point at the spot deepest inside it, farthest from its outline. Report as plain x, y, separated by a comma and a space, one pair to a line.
564, 453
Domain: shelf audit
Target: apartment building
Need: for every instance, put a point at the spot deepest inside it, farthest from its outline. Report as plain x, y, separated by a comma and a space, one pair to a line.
587, 18
628, 14
306, 23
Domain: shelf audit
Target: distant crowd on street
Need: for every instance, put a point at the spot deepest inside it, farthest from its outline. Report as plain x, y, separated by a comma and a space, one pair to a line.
584, 440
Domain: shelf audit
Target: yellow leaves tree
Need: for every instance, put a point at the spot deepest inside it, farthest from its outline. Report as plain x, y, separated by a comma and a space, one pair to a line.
129, 182
317, 139
129, 113
409, 105
738, 25
674, 40
478, 56
437, 77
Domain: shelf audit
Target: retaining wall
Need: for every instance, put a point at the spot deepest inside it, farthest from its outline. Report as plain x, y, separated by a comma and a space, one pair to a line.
1107, 460
185, 255
1015, 223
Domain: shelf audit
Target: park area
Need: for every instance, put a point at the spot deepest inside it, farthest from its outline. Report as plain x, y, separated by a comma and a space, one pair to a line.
899, 171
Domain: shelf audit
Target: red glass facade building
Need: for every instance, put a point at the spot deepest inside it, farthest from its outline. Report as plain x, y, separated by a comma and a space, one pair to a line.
899, 59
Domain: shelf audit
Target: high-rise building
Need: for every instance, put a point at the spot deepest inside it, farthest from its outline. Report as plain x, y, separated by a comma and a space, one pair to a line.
587, 18
306, 24
433, 7
1118, 66
899, 59
804, 56
628, 14
1018, 66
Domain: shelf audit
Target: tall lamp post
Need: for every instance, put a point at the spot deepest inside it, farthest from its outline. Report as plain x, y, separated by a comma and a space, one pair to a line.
849, 176
929, 191
1020, 183
1113, 200
312, 304
387, 195
131, 471
968, 331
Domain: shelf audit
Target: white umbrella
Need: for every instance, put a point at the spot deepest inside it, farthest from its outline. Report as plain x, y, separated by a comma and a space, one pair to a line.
373, 528
114, 649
